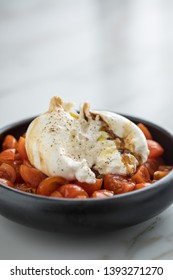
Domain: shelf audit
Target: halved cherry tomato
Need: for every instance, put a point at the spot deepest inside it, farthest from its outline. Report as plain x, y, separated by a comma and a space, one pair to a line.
156, 150
6, 182
56, 194
118, 184
160, 174
49, 185
152, 164
7, 155
81, 196
9, 142
7, 172
145, 131
141, 186
90, 188
31, 175
142, 175
21, 148
102, 193
72, 191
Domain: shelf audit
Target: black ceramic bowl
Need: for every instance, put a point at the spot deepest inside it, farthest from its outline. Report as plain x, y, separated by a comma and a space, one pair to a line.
75, 215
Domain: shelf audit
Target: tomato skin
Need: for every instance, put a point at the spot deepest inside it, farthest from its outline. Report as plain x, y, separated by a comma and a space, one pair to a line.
152, 164
118, 184
90, 188
156, 150
7, 172
141, 186
9, 142
31, 175
56, 194
7, 155
102, 193
6, 182
142, 175
145, 131
160, 174
50, 184
72, 191
21, 148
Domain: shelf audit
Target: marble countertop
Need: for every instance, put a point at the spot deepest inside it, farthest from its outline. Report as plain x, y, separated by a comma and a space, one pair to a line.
118, 55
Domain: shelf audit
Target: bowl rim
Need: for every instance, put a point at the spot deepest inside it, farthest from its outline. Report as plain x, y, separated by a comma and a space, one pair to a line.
135, 193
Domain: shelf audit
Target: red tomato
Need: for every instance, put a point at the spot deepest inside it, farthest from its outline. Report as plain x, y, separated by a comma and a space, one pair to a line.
7, 155
90, 188
152, 164
50, 184
7, 172
160, 174
6, 182
102, 193
145, 131
141, 185
156, 150
72, 191
21, 148
9, 142
118, 184
142, 175
31, 175
56, 194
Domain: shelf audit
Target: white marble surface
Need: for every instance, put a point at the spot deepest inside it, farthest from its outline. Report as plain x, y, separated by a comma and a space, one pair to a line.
116, 54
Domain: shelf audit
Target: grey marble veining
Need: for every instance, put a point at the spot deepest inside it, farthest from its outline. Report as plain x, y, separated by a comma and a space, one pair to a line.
118, 55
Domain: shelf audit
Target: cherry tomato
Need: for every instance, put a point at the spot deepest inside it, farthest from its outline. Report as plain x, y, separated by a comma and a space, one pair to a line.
90, 188
6, 182
160, 174
56, 194
156, 150
72, 191
7, 155
7, 172
31, 175
141, 186
118, 184
152, 164
145, 131
21, 148
142, 175
102, 193
9, 142
50, 184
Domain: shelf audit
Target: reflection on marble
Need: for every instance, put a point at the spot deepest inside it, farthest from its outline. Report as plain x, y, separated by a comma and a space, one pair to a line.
118, 55
150, 240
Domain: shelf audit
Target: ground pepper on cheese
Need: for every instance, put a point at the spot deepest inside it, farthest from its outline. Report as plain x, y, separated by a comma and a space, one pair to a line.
63, 142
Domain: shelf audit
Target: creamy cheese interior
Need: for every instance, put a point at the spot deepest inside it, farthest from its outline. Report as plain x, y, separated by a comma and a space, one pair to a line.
62, 142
